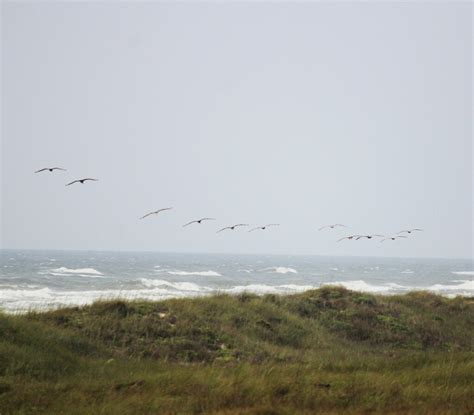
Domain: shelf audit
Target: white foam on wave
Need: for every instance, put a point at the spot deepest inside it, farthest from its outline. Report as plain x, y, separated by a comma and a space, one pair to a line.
463, 286
407, 271
361, 285
21, 299
183, 286
281, 270
463, 272
46, 299
198, 273
261, 289
65, 270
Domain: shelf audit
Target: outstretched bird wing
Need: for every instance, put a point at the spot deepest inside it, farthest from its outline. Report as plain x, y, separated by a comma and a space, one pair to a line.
223, 229
155, 212
75, 181
254, 229
189, 223
40, 170
350, 237
58, 168
148, 214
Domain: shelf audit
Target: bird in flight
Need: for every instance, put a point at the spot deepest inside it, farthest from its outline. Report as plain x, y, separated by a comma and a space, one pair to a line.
264, 227
349, 237
198, 221
411, 230
369, 236
82, 181
50, 169
336, 225
392, 238
155, 212
232, 227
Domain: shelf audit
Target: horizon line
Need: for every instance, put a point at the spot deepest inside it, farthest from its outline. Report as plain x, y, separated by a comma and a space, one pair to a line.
230, 253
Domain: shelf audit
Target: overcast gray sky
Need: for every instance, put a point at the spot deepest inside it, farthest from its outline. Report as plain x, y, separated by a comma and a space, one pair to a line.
301, 114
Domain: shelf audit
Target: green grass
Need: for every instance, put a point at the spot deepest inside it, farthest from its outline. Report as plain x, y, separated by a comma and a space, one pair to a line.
324, 351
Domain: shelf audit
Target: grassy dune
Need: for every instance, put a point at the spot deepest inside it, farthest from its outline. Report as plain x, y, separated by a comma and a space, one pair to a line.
324, 351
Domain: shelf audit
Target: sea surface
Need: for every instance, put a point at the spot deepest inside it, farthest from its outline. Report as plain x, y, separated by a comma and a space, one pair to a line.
32, 280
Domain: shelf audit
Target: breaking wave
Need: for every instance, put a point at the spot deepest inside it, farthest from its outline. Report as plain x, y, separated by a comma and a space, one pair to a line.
198, 273
183, 286
281, 270
261, 289
16, 299
361, 285
83, 272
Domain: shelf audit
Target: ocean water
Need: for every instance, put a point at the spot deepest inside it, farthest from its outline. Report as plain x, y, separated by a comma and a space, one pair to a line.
32, 280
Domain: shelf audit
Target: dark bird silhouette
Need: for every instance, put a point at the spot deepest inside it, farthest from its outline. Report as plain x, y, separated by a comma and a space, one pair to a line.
392, 238
349, 237
264, 227
155, 212
411, 230
369, 236
82, 181
50, 169
336, 225
197, 221
232, 227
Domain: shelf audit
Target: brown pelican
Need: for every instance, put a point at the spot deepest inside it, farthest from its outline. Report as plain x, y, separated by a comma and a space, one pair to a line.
232, 227
332, 226
349, 237
50, 169
264, 227
411, 230
392, 238
155, 212
369, 236
82, 181
197, 221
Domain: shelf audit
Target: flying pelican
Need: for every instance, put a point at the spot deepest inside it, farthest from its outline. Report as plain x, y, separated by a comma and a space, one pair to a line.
198, 221
369, 236
332, 226
155, 212
392, 238
50, 169
232, 227
82, 181
264, 227
411, 230
349, 237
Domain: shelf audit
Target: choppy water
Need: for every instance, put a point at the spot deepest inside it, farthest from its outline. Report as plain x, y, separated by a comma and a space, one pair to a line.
49, 279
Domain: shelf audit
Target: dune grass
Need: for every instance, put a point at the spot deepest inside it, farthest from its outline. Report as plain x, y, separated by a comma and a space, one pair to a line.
324, 351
